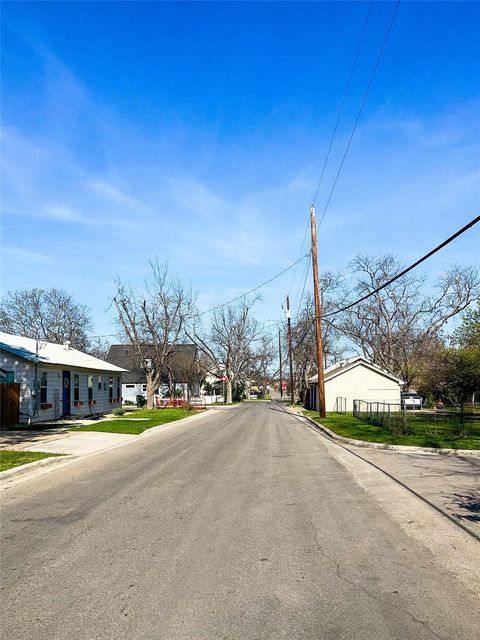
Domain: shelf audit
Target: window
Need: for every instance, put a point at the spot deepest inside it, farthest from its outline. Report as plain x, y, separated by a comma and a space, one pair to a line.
43, 387
99, 383
119, 389
110, 388
76, 387
130, 386
90, 388
144, 387
8, 376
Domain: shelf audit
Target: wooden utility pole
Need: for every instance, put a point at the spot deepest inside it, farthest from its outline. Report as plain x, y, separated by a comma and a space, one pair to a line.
318, 320
290, 357
280, 358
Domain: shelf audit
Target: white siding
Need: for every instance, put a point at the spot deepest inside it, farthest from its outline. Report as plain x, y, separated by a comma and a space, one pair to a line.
25, 375
131, 391
357, 383
54, 394
100, 397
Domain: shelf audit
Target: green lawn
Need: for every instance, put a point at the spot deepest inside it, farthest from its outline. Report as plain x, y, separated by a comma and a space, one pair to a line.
424, 432
128, 424
10, 459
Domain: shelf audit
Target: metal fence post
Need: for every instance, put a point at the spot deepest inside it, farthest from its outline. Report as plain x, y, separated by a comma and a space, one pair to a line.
405, 423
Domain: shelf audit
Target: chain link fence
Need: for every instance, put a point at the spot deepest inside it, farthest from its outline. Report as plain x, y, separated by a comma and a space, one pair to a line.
389, 415
401, 422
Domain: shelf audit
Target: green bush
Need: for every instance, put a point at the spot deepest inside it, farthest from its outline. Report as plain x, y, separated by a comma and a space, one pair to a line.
118, 411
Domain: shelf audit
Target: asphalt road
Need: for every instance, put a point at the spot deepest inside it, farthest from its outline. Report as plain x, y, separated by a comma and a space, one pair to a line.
238, 526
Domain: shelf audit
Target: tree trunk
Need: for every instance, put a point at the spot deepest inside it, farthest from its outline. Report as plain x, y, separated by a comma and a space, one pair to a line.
229, 390
152, 386
462, 421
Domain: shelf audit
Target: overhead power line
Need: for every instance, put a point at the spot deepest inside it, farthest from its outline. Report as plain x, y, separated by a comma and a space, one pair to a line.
399, 275
347, 88
405, 271
260, 286
339, 115
304, 285
369, 86
300, 254
243, 295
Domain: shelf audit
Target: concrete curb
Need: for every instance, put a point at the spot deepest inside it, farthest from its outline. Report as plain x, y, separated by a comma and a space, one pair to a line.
30, 467
37, 465
390, 447
225, 407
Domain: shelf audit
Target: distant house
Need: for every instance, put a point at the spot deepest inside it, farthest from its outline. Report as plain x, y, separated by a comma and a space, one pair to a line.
56, 380
179, 373
354, 379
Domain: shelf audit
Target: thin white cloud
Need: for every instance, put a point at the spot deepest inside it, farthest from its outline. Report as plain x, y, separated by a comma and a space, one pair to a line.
108, 191
26, 254
65, 214
190, 194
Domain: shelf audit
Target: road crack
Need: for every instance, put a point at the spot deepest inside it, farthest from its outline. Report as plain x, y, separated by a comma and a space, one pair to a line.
363, 588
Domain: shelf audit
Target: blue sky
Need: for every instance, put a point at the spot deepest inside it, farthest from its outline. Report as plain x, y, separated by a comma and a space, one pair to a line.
196, 132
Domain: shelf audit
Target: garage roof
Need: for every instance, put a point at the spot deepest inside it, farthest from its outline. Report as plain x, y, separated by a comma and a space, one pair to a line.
345, 365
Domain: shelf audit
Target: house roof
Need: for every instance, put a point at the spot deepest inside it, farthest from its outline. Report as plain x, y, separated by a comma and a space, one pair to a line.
346, 365
179, 362
51, 353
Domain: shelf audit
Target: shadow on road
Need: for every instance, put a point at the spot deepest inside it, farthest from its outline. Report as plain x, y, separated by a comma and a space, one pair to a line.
469, 503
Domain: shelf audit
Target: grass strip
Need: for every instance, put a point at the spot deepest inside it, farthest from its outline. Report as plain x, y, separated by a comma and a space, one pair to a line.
125, 424
10, 459
423, 432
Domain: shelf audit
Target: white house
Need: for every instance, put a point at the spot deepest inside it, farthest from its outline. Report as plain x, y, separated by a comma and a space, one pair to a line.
354, 379
56, 380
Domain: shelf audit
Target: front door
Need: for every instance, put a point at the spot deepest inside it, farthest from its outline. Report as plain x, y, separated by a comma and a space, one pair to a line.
66, 393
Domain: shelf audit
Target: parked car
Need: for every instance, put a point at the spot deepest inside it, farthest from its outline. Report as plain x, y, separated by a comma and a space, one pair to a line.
411, 400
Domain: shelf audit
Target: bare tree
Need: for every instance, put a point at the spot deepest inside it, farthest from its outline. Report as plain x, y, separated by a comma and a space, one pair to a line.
46, 314
332, 293
233, 334
262, 358
98, 347
153, 321
401, 326
184, 365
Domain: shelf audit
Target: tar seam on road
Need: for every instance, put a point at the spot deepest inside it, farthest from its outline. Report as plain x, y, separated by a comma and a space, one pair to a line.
304, 420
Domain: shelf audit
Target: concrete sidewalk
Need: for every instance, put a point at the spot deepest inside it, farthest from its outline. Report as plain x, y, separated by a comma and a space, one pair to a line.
81, 443
74, 444
62, 441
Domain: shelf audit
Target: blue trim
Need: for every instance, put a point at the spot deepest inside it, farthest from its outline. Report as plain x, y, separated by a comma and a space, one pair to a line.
21, 352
